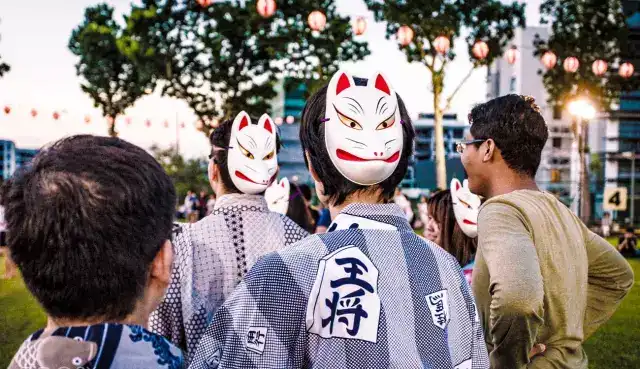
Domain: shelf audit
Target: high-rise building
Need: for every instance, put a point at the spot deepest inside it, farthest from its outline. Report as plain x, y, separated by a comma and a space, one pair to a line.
13, 158
556, 173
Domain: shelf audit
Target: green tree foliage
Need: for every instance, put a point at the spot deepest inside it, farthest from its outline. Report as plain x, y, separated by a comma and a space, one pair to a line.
109, 77
588, 30
490, 21
187, 175
226, 57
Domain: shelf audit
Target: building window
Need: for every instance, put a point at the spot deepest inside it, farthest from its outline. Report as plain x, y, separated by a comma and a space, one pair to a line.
512, 84
557, 142
557, 112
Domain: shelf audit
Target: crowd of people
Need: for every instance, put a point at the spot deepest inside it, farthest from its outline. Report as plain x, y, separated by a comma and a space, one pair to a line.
123, 286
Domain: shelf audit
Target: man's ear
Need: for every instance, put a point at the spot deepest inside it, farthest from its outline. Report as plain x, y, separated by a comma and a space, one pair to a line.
161, 265
313, 172
490, 150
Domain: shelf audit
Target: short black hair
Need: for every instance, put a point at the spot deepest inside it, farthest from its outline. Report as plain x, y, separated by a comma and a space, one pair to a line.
516, 126
219, 140
336, 186
85, 219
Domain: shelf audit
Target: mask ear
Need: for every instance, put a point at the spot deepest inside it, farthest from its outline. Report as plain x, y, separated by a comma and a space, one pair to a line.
267, 123
455, 186
379, 82
339, 82
241, 121
285, 184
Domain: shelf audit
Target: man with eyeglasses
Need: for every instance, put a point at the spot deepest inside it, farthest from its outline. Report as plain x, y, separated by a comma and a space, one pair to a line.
541, 276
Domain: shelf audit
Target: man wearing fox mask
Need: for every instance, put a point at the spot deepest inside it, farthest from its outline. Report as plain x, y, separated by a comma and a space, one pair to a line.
214, 254
369, 293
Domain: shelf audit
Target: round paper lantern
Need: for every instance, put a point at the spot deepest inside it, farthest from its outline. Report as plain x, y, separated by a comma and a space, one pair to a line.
56, 115
182, 125
278, 121
166, 124
7, 109
266, 8
317, 20
290, 119
147, 123
480, 50
359, 26
512, 55
441, 44
599, 67
626, 70
405, 35
34, 113
571, 64
205, 3
128, 120
549, 59
87, 119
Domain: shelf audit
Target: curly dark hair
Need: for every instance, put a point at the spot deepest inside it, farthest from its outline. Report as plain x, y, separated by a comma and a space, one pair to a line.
336, 186
453, 239
516, 126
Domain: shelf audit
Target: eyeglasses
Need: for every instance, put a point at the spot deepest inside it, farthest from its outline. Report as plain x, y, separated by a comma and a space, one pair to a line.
461, 145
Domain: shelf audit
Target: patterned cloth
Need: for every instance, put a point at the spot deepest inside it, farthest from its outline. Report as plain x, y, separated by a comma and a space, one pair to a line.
370, 293
211, 257
100, 346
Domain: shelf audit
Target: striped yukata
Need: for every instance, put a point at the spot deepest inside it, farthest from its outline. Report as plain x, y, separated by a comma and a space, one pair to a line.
370, 293
211, 257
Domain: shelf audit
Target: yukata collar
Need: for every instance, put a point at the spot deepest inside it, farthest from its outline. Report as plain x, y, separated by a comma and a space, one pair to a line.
241, 200
388, 217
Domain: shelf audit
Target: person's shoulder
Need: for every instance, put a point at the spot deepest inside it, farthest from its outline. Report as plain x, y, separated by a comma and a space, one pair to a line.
441, 255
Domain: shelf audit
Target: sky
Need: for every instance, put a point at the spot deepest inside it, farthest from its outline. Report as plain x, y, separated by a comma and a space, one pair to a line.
34, 36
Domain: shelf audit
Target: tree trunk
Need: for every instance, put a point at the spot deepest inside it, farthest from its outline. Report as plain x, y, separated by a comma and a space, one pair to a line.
111, 126
585, 201
438, 130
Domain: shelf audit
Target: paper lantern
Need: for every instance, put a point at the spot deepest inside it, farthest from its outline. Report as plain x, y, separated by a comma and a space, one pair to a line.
266, 8
34, 113
278, 121
290, 119
512, 55
87, 119
480, 50
359, 26
205, 3
166, 124
599, 67
317, 20
182, 125
549, 59
405, 35
7, 109
128, 120
56, 115
441, 44
571, 64
147, 123
626, 70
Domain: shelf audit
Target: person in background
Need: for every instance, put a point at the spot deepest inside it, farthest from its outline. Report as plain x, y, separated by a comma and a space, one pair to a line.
540, 276
627, 243
324, 221
299, 210
89, 225
369, 293
188, 205
307, 194
9, 266
202, 205
423, 211
211, 203
606, 224
214, 254
401, 200
454, 231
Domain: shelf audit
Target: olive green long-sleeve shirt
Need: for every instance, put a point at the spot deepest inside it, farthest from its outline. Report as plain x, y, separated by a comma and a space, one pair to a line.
542, 277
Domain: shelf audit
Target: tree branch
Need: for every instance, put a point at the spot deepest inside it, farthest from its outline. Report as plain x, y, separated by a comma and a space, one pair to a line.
453, 94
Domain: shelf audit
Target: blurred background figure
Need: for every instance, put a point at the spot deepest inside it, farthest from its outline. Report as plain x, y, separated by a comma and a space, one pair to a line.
299, 210
401, 200
9, 267
423, 211
202, 204
324, 221
211, 203
627, 243
443, 229
307, 194
606, 224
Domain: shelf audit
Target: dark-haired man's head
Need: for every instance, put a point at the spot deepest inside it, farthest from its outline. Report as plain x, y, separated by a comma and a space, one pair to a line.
243, 155
359, 143
504, 144
89, 223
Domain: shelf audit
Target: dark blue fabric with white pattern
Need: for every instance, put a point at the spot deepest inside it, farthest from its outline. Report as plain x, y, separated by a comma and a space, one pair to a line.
369, 294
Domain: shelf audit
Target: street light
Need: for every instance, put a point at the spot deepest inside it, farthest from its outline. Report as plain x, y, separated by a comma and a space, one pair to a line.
632, 155
582, 110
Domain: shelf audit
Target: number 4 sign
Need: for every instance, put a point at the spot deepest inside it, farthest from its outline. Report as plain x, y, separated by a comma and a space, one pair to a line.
615, 198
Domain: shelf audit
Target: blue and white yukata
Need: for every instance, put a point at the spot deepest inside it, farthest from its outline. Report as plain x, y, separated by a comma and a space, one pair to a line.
211, 257
370, 293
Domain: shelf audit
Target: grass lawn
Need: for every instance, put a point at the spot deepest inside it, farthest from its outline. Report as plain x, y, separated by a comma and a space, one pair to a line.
615, 346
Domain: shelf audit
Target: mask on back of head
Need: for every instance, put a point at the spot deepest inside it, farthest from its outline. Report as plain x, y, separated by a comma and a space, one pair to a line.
252, 158
277, 196
466, 206
363, 130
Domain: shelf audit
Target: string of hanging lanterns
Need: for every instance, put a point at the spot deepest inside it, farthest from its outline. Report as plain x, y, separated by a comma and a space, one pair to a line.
598, 67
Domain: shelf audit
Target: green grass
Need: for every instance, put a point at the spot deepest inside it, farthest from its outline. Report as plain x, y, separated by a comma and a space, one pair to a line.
616, 345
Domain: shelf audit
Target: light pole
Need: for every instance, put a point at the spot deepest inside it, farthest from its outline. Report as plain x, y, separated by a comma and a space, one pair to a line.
582, 110
632, 155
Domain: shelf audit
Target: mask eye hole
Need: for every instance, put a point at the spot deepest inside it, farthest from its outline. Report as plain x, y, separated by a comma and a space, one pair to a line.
387, 123
351, 123
269, 156
245, 152
465, 204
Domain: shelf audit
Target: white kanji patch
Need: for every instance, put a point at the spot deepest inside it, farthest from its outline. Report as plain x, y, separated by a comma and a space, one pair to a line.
344, 301
475, 311
464, 365
256, 339
439, 306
